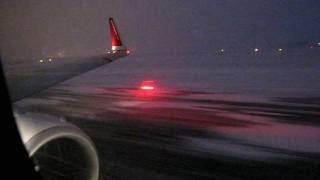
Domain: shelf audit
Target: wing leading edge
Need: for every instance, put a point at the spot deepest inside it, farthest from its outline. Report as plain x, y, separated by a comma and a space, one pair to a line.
29, 77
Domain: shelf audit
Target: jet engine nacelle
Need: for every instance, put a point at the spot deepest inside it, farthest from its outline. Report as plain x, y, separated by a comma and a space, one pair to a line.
58, 149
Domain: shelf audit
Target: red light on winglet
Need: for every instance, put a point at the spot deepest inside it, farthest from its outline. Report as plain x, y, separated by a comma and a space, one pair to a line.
115, 38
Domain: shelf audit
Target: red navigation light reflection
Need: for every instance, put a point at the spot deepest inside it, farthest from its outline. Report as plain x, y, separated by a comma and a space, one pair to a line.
147, 85
147, 90
150, 88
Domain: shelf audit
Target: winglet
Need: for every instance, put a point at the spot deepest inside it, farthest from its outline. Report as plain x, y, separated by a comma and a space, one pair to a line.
115, 37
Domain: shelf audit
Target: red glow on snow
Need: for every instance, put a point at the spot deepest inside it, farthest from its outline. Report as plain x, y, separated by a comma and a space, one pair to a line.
147, 90
147, 85
150, 88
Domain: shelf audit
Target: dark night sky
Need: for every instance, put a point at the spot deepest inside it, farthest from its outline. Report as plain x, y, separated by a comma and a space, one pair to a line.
34, 28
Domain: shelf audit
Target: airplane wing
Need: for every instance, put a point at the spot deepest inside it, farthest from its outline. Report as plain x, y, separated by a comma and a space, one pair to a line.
29, 77
41, 133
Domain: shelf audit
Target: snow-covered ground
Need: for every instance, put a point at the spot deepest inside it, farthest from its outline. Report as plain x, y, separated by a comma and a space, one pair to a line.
269, 74
261, 109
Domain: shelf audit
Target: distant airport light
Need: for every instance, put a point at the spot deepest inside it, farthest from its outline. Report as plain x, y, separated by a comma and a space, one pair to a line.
128, 51
37, 168
318, 43
49, 59
41, 60
256, 50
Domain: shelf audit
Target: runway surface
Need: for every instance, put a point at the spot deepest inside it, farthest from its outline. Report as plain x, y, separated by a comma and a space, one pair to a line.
176, 134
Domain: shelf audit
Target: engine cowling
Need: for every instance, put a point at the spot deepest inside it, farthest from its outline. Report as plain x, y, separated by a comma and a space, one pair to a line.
58, 149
